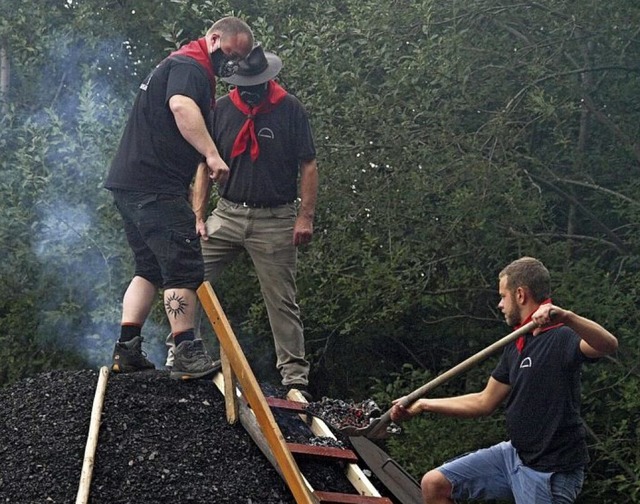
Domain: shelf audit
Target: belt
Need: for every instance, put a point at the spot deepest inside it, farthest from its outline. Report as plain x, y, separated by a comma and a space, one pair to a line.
259, 204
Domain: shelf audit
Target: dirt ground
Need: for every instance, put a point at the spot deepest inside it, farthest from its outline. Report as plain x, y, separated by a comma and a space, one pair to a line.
160, 441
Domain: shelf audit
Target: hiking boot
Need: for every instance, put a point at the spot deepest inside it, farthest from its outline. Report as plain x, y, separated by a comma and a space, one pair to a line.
128, 357
192, 361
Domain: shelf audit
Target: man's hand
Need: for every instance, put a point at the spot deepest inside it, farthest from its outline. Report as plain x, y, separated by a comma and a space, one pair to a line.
218, 169
547, 314
400, 413
302, 230
201, 229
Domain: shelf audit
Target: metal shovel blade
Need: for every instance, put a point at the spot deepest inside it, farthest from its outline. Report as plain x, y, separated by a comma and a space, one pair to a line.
377, 429
397, 480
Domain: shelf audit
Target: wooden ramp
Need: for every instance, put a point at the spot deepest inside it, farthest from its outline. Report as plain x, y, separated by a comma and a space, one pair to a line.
245, 402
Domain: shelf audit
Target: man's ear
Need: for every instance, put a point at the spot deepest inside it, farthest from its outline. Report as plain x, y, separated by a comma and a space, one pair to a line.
521, 295
213, 38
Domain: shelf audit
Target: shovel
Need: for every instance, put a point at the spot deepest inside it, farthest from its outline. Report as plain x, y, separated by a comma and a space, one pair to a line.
377, 429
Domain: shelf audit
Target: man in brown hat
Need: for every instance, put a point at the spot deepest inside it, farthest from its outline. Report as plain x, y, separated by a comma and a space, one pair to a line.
263, 134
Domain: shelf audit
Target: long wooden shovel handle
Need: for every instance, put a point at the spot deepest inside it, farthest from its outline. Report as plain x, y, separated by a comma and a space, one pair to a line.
466, 364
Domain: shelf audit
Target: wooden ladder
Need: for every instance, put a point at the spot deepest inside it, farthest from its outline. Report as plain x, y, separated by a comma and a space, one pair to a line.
245, 401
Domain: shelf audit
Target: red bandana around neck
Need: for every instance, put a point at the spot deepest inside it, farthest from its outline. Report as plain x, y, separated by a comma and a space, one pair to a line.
247, 134
198, 51
521, 340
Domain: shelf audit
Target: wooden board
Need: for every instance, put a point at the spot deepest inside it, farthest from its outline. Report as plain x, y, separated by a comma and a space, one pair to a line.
257, 418
252, 392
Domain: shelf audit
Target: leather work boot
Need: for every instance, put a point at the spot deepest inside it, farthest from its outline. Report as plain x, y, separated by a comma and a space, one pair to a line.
191, 360
128, 357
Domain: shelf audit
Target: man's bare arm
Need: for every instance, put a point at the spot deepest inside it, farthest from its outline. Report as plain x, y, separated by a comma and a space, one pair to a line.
303, 229
200, 192
596, 340
466, 406
192, 127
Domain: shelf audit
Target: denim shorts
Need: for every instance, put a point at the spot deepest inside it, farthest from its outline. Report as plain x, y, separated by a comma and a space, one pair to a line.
498, 473
161, 231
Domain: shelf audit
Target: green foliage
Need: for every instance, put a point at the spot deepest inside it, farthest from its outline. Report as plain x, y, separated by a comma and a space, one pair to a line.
453, 137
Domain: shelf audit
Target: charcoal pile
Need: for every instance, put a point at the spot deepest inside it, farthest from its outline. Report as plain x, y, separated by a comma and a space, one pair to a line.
160, 441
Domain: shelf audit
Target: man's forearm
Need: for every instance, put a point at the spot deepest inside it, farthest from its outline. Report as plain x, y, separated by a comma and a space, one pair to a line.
596, 336
308, 188
191, 125
200, 192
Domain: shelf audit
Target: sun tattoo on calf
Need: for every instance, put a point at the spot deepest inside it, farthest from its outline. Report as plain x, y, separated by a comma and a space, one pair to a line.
175, 305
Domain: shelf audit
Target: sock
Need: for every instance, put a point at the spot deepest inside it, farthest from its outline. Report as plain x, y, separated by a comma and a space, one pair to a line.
129, 331
188, 335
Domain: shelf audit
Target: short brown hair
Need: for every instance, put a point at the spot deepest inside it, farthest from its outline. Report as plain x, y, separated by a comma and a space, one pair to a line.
231, 26
530, 273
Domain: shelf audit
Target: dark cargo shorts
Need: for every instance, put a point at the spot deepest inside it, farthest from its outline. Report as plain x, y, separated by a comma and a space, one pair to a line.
161, 231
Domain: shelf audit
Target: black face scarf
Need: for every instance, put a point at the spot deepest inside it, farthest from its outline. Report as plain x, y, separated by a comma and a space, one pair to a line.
253, 95
223, 65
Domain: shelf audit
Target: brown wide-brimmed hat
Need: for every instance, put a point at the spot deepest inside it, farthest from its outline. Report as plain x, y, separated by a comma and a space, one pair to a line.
258, 67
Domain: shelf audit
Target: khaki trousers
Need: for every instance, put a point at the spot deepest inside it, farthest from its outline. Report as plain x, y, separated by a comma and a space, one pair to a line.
266, 234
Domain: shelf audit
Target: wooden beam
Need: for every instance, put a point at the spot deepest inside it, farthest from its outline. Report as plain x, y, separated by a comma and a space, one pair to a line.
340, 498
325, 452
252, 392
286, 405
230, 399
92, 439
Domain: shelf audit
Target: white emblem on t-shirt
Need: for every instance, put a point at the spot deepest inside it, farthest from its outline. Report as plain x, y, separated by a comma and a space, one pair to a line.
526, 362
266, 133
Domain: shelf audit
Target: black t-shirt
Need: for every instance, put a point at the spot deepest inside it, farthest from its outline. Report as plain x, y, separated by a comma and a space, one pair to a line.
153, 156
543, 407
285, 138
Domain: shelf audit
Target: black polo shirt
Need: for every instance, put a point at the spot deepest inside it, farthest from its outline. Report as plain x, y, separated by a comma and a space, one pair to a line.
153, 156
285, 139
543, 407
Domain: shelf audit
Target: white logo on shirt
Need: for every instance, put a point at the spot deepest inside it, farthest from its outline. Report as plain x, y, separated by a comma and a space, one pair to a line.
266, 133
526, 362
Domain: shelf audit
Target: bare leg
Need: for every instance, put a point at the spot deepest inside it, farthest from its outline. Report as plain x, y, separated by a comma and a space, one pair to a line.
190, 357
436, 489
180, 306
137, 301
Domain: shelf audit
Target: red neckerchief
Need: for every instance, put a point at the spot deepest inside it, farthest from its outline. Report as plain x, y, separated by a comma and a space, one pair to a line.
198, 51
247, 134
521, 340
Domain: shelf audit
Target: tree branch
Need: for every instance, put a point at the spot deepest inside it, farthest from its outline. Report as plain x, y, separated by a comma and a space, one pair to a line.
617, 242
4, 76
612, 454
617, 131
597, 187
564, 74
567, 236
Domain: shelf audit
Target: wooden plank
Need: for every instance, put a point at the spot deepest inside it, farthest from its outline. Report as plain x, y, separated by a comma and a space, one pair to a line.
252, 392
327, 452
92, 438
284, 404
340, 498
250, 423
353, 472
230, 399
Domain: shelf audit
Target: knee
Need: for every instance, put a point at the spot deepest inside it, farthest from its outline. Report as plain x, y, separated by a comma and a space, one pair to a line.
435, 487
